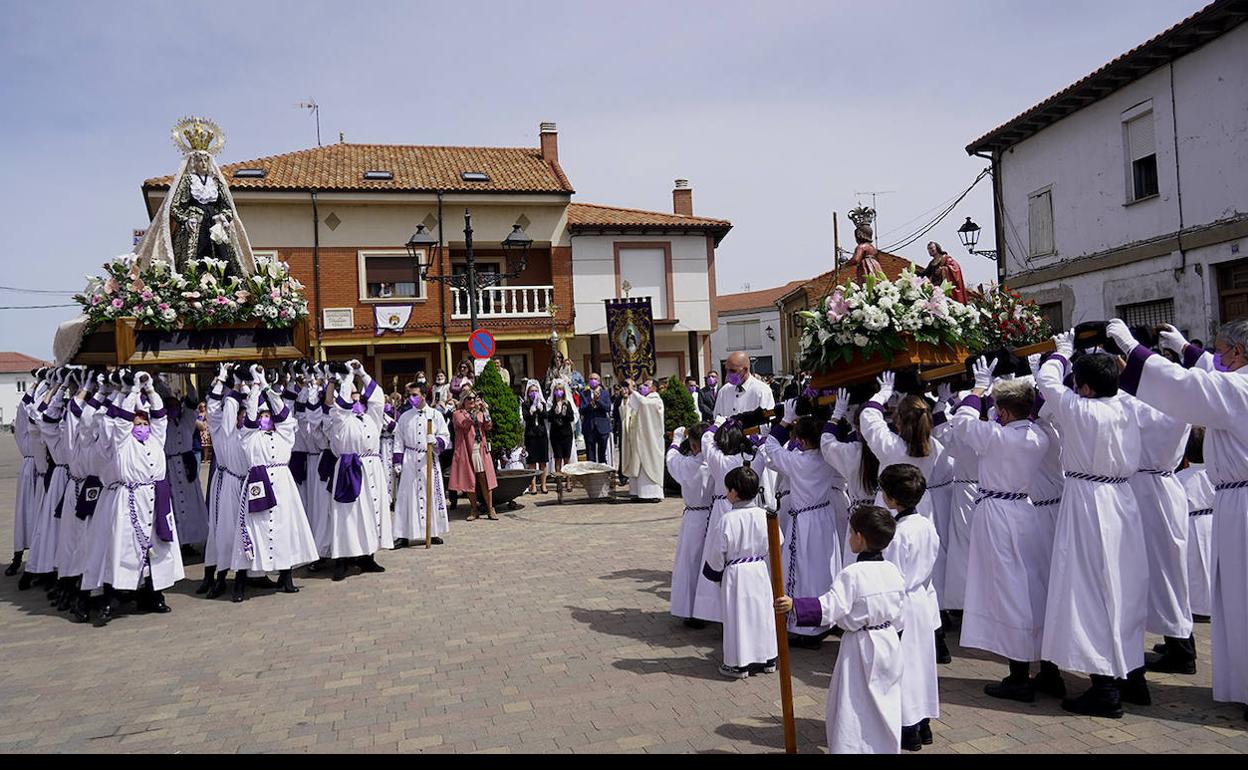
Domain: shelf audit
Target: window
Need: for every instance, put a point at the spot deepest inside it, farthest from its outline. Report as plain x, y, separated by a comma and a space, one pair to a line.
761, 365
378, 175
1148, 314
1040, 222
475, 176
1141, 153
21, 386
389, 276
1052, 312
249, 173
645, 270
744, 335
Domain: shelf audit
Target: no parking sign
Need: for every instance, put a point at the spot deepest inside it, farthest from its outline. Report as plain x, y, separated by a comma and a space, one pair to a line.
481, 344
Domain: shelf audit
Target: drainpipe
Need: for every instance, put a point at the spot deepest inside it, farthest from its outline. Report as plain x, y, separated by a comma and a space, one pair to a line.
994, 161
1178, 173
316, 273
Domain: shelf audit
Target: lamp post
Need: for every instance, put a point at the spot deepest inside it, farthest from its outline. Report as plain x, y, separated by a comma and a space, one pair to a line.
968, 233
470, 281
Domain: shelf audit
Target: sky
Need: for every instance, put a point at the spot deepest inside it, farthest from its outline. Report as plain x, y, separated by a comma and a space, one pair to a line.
779, 113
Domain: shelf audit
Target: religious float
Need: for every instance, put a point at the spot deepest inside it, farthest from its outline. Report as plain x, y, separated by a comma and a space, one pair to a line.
192, 294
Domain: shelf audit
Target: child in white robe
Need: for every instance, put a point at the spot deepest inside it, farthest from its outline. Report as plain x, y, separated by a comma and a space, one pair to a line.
725, 447
913, 550
1098, 580
737, 561
688, 468
225, 489
813, 546
866, 600
415, 444
852, 460
1199, 490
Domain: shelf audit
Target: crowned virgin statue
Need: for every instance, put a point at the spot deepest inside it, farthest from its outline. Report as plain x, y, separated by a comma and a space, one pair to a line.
197, 219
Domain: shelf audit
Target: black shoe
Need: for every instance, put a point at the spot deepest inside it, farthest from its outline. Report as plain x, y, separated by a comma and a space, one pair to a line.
240, 586
369, 564
68, 594
261, 581
436, 541
401, 542
1049, 683
942, 649
14, 565
1158, 648
1195, 618
154, 602
695, 623
205, 585
54, 594
287, 582
1134, 690
340, 570
187, 551
25, 581
925, 732
105, 614
317, 565
910, 739
1095, 703
218, 587
81, 611
1011, 689
1169, 664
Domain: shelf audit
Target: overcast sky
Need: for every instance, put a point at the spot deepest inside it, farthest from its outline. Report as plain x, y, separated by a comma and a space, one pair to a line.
779, 113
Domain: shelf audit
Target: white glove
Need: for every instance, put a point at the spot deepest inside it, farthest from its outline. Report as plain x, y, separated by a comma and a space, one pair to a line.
1033, 363
944, 393
223, 372
356, 366
790, 411
841, 409
679, 434
982, 369
887, 381
1173, 339
720, 420
257, 372
1121, 335
1065, 343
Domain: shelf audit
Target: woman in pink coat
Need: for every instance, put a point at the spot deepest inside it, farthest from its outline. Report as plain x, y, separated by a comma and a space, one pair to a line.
472, 463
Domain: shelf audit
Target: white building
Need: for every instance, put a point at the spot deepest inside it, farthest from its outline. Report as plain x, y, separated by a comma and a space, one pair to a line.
1126, 194
15, 380
749, 322
667, 257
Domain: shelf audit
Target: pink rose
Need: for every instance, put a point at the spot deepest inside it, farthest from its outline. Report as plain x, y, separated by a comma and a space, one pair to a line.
164, 306
147, 296
117, 303
96, 299
275, 295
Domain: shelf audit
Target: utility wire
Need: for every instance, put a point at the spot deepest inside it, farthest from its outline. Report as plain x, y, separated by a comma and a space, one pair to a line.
931, 225
18, 290
34, 307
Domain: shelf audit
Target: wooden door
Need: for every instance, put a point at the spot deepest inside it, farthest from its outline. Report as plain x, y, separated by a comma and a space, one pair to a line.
1233, 290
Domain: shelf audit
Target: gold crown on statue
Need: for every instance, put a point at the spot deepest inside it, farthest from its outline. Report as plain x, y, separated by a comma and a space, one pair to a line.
194, 134
863, 215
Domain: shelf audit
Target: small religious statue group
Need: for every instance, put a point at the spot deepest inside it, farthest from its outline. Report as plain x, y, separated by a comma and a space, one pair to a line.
942, 268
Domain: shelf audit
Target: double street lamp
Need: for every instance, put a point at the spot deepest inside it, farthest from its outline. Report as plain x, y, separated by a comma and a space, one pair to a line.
470, 281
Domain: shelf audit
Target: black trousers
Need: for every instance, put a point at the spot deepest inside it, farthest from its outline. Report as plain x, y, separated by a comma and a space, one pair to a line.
596, 446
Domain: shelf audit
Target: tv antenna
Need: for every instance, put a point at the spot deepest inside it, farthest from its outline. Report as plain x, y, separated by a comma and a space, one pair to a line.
873, 193
315, 109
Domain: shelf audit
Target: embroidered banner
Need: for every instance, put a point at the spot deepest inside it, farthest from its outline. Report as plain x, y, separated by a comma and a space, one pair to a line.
630, 327
391, 318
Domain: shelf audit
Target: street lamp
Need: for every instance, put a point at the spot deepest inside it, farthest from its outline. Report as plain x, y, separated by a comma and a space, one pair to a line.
968, 233
470, 281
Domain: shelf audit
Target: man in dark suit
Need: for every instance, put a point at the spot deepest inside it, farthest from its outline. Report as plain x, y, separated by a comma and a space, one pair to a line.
706, 398
596, 419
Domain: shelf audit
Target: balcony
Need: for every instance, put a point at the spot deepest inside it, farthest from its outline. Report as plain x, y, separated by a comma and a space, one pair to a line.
505, 302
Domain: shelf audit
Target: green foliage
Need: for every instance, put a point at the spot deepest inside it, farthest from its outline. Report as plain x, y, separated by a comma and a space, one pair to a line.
504, 410
679, 411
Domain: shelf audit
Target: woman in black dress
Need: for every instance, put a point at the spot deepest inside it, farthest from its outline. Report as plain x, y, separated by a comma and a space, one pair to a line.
536, 434
562, 416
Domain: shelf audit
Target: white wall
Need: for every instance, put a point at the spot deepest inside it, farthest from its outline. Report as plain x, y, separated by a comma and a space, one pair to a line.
10, 396
1082, 157
720, 348
593, 279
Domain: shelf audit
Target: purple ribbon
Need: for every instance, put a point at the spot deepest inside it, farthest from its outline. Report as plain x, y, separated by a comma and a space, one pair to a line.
259, 488
325, 467
350, 479
88, 496
164, 509
299, 466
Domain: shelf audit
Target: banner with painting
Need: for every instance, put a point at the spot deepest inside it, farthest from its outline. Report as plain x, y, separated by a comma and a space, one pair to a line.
630, 328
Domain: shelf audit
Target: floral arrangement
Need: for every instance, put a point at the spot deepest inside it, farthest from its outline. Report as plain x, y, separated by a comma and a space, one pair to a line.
879, 317
1009, 320
200, 296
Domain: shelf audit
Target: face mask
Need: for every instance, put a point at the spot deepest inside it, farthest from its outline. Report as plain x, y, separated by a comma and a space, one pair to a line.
693, 388
416, 401
593, 382
141, 432
358, 408
1218, 366
441, 380
533, 396
735, 378
644, 390
558, 394
421, 380
266, 422
712, 381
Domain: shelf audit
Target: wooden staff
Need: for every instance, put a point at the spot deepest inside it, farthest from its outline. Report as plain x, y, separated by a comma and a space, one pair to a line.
782, 632
428, 485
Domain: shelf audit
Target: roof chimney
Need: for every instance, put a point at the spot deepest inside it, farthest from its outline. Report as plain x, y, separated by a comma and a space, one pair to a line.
550, 143
682, 198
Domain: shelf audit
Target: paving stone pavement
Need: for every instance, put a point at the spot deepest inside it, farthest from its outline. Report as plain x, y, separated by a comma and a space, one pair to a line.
547, 631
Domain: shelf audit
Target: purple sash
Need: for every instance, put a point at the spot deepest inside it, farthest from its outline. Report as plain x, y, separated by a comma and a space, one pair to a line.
325, 467
164, 511
350, 479
259, 488
299, 466
88, 495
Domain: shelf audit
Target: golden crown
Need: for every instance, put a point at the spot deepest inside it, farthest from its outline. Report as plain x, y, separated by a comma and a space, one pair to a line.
196, 134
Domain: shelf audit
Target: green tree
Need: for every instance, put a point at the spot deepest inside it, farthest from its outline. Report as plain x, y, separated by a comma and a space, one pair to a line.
504, 411
679, 411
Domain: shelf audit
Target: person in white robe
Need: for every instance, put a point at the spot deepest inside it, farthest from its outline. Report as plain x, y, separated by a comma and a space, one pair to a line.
850, 457
359, 513
813, 546
43, 547
69, 528
419, 438
743, 393
138, 549
724, 448
42, 462
959, 503
190, 509
1200, 494
642, 443
1098, 579
272, 529
1008, 562
866, 600
225, 490
913, 550
24, 511
87, 463
737, 562
1218, 400
687, 464
304, 457
317, 491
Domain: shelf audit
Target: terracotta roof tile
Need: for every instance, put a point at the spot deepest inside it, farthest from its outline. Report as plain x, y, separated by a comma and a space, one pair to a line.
591, 215
822, 285
754, 300
18, 362
415, 169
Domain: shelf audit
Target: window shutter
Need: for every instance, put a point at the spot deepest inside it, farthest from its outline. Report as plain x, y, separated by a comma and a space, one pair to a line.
1040, 223
1141, 141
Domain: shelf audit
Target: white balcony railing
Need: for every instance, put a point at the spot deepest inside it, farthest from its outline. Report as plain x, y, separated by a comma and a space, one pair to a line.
504, 302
